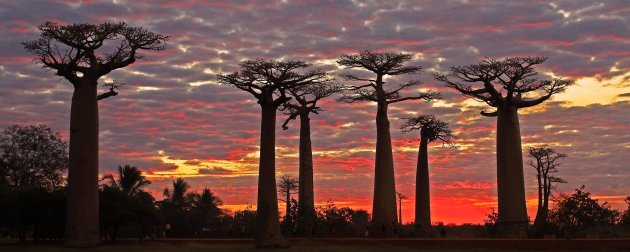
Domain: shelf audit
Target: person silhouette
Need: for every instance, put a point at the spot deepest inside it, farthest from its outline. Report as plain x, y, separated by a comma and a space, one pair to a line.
442, 231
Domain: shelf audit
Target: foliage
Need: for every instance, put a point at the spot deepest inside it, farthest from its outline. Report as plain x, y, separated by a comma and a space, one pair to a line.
490, 223
625, 217
341, 221
579, 212
122, 203
32, 156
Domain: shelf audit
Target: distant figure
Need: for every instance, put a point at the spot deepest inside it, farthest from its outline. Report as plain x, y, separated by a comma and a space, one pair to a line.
242, 231
167, 230
442, 231
395, 227
367, 231
383, 229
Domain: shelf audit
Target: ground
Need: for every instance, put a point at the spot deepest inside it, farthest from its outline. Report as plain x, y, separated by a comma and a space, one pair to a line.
362, 245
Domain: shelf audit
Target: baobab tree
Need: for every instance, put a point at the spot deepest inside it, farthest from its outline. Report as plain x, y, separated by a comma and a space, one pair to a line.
374, 90
72, 51
431, 129
304, 103
507, 85
286, 186
268, 82
545, 161
400, 198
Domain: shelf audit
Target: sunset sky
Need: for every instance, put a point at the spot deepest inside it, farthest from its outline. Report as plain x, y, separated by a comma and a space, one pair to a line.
172, 119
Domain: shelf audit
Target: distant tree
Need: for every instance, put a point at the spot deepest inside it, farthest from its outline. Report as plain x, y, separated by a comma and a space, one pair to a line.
123, 202
431, 129
32, 156
130, 180
304, 103
178, 193
578, 212
72, 51
245, 220
205, 211
625, 217
336, 221
545, 161
490, 223
268, 82
400, 198
507, 85
286, 185
374, 90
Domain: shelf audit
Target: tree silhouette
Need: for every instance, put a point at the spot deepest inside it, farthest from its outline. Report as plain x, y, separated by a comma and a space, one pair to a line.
268, 82
578, 212
304, 103
546, 161
286, 185
374, 90
507, 85
431, 129
400, 198
32, 156
73, 52
130, 180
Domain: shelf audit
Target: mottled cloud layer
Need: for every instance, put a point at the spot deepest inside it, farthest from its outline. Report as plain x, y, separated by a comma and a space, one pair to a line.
172, 119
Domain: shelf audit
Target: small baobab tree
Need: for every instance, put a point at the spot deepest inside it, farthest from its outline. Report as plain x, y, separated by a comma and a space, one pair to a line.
431, 129
74, 52
304, 103
286, 186
545, 161
507, 85
373, 89
268, 82
400, 198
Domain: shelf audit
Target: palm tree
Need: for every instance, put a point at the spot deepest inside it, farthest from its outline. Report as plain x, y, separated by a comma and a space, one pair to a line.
130, 180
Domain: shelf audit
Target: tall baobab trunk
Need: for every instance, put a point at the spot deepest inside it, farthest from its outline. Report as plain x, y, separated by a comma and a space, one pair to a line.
423, 197
538, 230
82, 227
512, 220
384, 205
267, 217
306, 196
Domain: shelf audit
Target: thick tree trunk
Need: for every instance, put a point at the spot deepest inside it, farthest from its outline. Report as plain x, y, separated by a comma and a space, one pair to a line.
423, 197
512, 221
538, 229
82, 227
384, 206
267, 217
306, 195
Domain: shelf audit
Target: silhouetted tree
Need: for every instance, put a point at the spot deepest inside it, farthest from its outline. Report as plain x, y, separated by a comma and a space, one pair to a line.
490, 223
245, 220
578, 212
508, 86
374, 90
625, 217
32, 156
268, 82
304, 103
72, 51
400, 198
336, 221
205, 211
123, 202
130, 180
286, 185
546, 161
431, 129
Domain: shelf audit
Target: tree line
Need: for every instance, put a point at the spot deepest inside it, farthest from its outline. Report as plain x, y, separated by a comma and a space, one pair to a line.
294, 87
